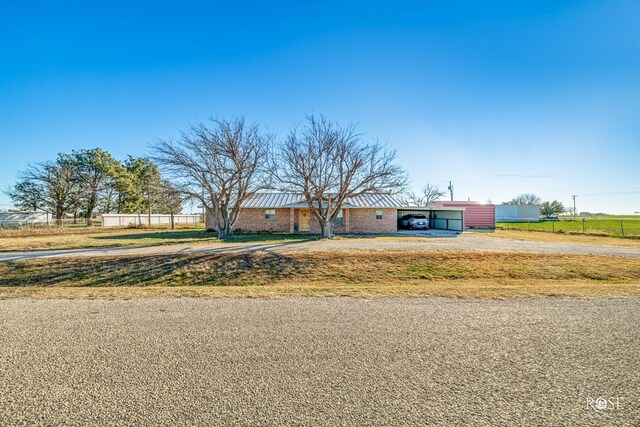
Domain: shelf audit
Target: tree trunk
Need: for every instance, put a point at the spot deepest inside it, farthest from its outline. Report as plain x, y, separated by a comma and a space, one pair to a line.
223, 233
173, 224
90, 216
59, 215
325, 229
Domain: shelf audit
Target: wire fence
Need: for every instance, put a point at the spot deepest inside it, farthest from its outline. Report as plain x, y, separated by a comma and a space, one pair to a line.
51, 222
595, 227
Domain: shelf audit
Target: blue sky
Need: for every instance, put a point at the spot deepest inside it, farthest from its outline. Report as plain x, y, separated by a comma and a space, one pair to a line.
499, 97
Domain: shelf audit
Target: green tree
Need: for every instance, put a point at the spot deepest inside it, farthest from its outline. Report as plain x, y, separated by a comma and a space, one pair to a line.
552, 208
97, 171
132, 189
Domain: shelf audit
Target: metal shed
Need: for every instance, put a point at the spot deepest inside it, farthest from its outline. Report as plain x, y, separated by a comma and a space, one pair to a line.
476, 214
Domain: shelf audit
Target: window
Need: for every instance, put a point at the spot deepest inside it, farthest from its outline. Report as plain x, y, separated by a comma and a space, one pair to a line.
270, 214
338, 221
379, 214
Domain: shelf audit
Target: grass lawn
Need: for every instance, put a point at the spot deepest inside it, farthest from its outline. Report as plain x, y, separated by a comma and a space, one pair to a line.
89, 237
323, 273
533, 236
618, 226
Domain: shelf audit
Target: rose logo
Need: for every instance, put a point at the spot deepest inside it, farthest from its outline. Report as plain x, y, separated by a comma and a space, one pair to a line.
601, 403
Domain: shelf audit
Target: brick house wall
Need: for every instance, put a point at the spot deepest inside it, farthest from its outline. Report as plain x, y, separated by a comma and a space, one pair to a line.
254, 220
355, 221
364, 221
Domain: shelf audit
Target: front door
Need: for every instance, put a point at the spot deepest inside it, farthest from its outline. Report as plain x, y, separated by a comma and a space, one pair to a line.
304, 220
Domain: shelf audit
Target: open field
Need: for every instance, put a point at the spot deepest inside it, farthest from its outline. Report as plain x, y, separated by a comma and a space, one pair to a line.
618, 226
324, 273
534, 236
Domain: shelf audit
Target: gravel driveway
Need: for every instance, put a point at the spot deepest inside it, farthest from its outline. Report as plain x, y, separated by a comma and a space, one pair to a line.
331, 361
462, 242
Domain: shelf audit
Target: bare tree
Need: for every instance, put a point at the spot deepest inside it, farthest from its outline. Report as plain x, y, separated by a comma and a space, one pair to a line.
220, 165
60, 183
27, 195
169, 199
328, 163
428, 194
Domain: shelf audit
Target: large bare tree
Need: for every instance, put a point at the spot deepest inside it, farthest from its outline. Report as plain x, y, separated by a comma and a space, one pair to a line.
427, 195
220, 164
328, 163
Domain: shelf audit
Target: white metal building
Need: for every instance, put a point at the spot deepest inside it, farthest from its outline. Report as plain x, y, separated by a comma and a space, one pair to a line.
123, 220
15, 219
517, 213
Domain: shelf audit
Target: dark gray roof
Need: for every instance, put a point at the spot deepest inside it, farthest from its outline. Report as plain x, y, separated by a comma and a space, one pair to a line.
294, 200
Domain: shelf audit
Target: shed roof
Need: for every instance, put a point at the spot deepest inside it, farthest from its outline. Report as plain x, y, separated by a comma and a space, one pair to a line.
295, 200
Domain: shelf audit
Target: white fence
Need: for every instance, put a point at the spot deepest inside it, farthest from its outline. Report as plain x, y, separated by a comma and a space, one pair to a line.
21, 219
122, 220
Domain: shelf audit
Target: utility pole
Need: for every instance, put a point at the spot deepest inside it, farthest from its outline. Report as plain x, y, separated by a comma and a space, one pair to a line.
148, 202
203, 211
574, 204
451, 190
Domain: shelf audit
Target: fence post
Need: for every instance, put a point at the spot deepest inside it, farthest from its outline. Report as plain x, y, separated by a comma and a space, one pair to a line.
622, 228
553, 227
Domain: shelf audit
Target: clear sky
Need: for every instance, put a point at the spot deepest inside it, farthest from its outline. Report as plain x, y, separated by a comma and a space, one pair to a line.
499, 97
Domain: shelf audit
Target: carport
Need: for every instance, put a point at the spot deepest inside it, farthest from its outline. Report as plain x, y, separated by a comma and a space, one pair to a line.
442, 218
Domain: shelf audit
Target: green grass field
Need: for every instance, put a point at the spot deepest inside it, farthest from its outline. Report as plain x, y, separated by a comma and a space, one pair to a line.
608, 225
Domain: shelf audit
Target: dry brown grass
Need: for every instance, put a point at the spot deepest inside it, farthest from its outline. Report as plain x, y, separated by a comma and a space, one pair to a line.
28, 239
539, 236
355, 273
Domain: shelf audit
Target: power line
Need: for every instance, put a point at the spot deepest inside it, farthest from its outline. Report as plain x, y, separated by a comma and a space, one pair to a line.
613, 193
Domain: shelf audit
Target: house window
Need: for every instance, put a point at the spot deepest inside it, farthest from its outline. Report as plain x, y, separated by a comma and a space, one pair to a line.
338, 221
270, 214
379, 214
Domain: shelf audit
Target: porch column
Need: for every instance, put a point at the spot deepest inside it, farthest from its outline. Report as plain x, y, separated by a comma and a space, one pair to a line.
291, 220
346, 217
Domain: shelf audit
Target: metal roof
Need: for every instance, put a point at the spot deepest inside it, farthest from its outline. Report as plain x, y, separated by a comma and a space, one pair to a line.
295, 200
272, 200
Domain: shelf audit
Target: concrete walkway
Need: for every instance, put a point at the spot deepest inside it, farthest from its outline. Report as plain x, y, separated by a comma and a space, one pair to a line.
461, 243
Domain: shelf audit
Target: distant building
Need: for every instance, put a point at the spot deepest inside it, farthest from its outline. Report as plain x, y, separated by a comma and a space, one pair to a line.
18, 218
517, 213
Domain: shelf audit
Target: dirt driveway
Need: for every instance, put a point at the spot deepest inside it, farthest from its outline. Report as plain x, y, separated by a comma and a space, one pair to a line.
461, 242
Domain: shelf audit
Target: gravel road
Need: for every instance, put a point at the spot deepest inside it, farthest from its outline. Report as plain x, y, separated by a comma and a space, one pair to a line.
330, 361
462, 242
